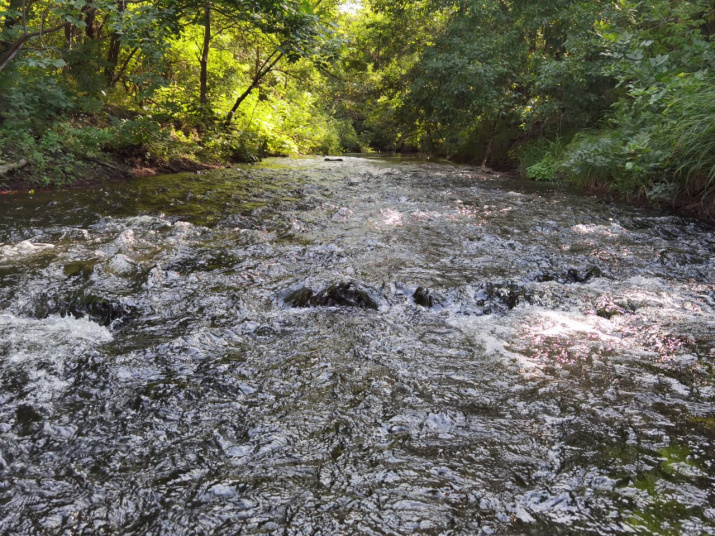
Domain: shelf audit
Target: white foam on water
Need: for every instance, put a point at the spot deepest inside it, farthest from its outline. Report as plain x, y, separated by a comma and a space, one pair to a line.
40, 350
612, 231
23, 249
489, 331
496, 334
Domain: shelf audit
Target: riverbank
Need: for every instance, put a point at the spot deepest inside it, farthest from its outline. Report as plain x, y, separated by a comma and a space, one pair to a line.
94, 173
683, 204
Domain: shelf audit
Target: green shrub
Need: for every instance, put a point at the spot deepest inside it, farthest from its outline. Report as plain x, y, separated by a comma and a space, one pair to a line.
530, 153
592, 157
542, 171
231, 146
541, 160
34, 98
134, 135
659, 145
86, 140
50, 158
348, 138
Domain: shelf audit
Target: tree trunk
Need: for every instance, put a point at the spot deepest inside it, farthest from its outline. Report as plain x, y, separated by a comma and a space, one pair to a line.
256, 71
68, 37
204, 98
118, 74
7, 168
90, 30
488, 151
8, 55
115, 47
239, 100
267, 68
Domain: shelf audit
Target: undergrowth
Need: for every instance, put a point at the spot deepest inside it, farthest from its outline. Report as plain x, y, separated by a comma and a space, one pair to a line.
659, 146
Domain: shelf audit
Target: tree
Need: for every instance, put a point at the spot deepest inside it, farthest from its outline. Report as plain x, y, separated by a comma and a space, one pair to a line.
299, 33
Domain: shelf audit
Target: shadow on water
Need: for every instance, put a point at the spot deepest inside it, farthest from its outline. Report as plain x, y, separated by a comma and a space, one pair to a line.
371, 346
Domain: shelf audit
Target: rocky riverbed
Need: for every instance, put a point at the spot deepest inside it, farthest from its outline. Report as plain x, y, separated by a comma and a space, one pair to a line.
371, 346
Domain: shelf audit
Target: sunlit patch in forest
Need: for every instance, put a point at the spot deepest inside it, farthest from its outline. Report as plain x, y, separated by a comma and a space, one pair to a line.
426, 217
550, 338
466, 211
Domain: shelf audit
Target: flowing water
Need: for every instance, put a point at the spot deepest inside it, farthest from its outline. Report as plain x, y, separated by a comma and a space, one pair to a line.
373, 346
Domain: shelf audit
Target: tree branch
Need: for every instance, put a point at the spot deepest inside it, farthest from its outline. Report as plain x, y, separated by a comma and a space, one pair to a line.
9, 54
124, 66
263, 71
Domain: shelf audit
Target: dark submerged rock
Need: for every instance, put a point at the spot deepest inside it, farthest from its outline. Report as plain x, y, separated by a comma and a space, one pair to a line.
509, 294
101, 310
98, 309
27, 414
344, 294
609, 312
347, 294
79, 269
572, 275
28, 420
582, 276
608, 308
300, 298
423, 297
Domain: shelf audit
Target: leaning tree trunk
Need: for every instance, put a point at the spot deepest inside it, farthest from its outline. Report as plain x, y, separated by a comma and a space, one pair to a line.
14, 48
267, 68
204, 77
7, 168
118, 73
115, 47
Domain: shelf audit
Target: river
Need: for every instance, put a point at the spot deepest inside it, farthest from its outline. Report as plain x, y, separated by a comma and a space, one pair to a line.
374, 346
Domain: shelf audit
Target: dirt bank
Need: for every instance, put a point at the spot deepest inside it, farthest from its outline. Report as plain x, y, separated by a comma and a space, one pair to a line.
95, 173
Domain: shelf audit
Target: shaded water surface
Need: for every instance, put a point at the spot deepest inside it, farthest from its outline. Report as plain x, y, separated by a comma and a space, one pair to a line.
364, 347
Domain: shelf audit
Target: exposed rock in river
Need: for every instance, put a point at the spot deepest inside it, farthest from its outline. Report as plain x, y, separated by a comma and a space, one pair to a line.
348, 294
425, 297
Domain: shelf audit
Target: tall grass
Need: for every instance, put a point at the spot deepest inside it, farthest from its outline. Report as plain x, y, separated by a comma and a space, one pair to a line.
692, 115
662, 152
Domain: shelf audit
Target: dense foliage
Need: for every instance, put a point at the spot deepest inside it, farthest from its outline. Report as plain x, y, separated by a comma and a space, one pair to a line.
162, 83
614, 94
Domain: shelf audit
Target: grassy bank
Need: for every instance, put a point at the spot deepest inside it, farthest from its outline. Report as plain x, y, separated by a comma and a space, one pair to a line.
657, 147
